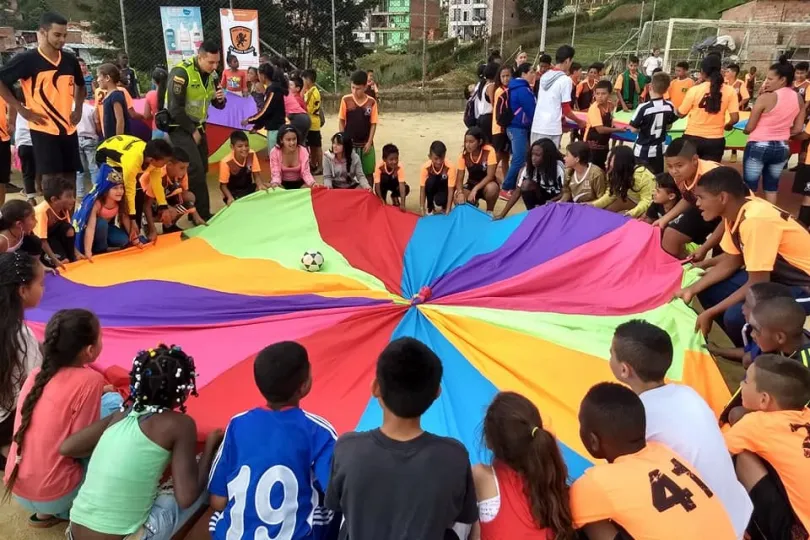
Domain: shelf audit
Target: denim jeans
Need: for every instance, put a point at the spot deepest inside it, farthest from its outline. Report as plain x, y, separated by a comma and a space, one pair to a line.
733, 319
519, 138
108, 235
766, 159
87, 153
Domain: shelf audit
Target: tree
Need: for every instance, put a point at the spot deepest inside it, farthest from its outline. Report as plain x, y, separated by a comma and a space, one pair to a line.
301, 30
533, 9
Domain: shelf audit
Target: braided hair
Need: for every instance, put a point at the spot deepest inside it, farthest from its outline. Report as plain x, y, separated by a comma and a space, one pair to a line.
16, 269
68, 333
161, 379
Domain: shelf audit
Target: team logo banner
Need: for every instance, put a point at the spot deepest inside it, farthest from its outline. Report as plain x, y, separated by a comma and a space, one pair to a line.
240, 35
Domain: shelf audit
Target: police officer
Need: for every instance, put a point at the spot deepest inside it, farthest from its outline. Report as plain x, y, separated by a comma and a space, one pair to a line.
192, 86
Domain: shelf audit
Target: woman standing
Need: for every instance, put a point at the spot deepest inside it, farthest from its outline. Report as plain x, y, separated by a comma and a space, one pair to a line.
706, 105
499, 139
271, 114
484, 99
775, 113
155, 101
289, 161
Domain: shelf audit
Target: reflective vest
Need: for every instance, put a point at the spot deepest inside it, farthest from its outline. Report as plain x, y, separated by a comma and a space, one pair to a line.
198, 97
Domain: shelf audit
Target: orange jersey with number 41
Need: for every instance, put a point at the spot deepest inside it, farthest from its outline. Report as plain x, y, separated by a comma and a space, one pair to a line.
653, 494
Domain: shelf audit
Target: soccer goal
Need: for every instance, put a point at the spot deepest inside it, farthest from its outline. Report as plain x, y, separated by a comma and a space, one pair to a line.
746, 43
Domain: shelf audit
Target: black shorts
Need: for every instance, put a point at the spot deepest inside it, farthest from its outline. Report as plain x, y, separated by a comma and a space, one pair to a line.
5, 162
292, 184
29, 168
243, 192
692, 224
391, 186
773, 515
654, 164
56, 154
314, 139
709, 149
599, 157
501, 143
469, 186
801, 182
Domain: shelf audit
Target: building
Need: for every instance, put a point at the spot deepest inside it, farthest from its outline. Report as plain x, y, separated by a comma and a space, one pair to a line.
763, 44
472, 19
79, 40
394, 23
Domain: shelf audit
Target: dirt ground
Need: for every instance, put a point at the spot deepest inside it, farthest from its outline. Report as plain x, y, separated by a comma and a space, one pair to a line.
412, 133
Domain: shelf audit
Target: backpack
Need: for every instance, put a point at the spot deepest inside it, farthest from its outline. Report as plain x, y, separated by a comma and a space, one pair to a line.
469, 113
503, 111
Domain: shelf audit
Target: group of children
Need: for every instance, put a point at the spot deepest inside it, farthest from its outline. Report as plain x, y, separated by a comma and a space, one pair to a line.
664, 475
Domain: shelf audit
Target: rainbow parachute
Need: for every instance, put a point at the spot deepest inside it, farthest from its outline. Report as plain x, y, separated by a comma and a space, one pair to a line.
526, 304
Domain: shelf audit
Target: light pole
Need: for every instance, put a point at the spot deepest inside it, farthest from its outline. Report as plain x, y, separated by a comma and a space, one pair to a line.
123, 25
334, 48
574, 28
543, 29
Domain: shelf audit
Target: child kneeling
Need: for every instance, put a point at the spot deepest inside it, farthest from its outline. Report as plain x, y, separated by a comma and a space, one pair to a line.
120, 497
94, 222
180, 201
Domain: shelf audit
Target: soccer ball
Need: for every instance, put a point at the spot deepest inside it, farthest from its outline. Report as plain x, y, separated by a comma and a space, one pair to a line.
312, 261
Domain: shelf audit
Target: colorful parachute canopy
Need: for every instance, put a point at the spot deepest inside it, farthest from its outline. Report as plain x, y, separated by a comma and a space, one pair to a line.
526, 304
222, 122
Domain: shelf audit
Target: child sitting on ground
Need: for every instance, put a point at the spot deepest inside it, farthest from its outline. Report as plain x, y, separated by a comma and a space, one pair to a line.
134, 446
756, 293
342, 168
475, 171
437, 182
389, 177
584, 181
94, 223
772, 445
22, 281
541, 179
300, 458
645, 488
57, 400
650, 122
53, 217
665, 197
640, 357
181, 201
599, 127
421, 483
239, 171
684, 224
17, 224
630, 186
524, 493
289, 161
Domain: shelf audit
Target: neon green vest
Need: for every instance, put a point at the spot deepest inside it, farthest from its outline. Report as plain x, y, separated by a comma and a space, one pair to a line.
198, 97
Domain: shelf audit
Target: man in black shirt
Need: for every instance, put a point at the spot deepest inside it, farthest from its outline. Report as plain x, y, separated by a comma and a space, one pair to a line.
193, 85
128, 77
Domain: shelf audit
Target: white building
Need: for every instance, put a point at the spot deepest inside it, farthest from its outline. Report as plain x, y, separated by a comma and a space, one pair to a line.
471, 19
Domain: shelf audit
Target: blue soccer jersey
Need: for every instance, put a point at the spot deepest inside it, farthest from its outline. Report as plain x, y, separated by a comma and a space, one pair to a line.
271, 467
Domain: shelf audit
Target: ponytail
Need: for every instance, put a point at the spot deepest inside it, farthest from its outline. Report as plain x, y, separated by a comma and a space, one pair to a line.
67, 334
711, 69
784, 70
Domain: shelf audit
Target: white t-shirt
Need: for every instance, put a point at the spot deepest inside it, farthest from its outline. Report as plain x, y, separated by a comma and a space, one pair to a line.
555, 89
87, 125
651, 64
22, 133
678, 417
33, 358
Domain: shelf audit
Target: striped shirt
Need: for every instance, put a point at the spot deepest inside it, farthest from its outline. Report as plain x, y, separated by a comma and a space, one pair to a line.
651, 120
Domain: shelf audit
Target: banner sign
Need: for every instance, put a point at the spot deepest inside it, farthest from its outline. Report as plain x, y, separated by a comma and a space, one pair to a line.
182, 33
240, 36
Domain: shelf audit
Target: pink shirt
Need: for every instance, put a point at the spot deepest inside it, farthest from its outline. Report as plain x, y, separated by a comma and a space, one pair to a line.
775, 124
294, 105
151, 99
279, 173
70, 402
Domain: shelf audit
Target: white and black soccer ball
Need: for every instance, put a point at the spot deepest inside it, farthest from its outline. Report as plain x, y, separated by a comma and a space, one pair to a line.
312, 261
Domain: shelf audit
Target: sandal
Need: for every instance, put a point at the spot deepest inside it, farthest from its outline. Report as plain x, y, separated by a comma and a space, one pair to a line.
35, 523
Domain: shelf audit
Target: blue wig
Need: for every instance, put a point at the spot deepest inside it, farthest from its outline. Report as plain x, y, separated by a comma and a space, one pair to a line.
107, 178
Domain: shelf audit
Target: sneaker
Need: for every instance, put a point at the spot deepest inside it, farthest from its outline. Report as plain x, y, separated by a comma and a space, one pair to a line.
733, 158
505, 195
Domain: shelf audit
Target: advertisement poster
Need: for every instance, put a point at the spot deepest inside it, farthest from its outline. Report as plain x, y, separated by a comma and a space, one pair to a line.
182, 33
240, 35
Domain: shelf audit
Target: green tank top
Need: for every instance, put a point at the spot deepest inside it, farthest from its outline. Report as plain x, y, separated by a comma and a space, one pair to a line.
122, 479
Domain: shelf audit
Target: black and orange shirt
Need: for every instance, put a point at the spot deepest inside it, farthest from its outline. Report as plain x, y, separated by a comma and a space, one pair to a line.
677, 90
384, 175
47, 87
598, 117
653, 494
782, 438
803, 89
239, 176
359, 118
584, 93
807, 154
687, 189
741, 89
47, 218
476, 165
4, 134
770, 240
446, 174
702, 123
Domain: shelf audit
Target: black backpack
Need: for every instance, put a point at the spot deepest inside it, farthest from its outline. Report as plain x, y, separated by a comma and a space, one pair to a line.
469, 113
503, 111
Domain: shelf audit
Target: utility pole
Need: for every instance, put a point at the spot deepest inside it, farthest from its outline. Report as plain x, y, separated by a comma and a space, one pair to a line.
543, 29
574, 28
640, 25
424, 42
334, 49
503, 19
123, 25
